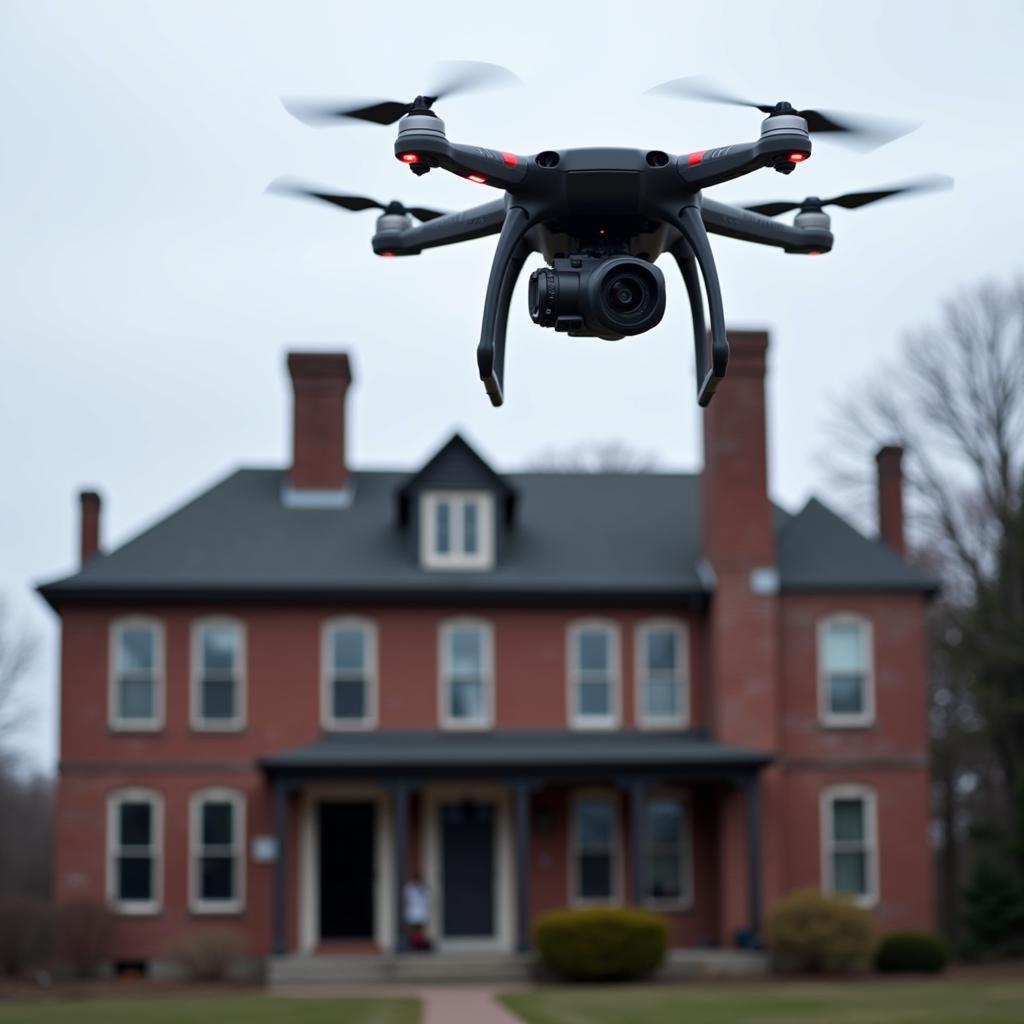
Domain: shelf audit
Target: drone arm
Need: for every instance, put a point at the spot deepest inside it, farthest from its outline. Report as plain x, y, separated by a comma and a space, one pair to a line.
691, 252
735, 222
461, 226
509, 257
781, 150
483, 166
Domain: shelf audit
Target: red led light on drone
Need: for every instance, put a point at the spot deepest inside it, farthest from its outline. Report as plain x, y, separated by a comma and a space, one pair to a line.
478, 178
510, 159
797, 157
695, 158
409, 158
388, 255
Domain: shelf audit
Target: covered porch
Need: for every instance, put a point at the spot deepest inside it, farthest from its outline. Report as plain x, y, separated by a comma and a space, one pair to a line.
491, 822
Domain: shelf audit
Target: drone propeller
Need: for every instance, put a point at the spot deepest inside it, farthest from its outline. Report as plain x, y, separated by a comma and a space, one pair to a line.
852, 129
451, 78
853, 200
287, 187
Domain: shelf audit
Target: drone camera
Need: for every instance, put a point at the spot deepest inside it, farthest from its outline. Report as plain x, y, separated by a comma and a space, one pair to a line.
593, 297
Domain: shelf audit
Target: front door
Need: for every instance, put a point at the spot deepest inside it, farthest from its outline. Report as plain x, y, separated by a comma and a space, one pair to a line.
346, 870
467, 869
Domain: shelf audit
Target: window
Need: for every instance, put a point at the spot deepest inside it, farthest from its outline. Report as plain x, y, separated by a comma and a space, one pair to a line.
136, 675
217, 862
662, 696
594, 675
457, 530
467, 675
218, 680
668, 879
595, 867
134, 839
349, 660
846, 686
850, 844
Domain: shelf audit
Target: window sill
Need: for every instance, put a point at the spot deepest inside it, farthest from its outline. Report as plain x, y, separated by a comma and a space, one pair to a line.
218, 729
595, 724
840, 722
662, 724
456, 725
216, 909
136, 910
136, 727
349, 725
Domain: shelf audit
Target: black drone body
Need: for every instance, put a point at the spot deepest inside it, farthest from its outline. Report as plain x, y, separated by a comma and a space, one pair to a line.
600, 218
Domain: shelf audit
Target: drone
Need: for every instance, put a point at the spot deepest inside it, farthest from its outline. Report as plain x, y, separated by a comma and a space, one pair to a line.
600, 217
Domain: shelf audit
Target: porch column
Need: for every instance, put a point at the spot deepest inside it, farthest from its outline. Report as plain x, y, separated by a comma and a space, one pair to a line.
282, 791
638, 789
752, 794
400, 832
522, 791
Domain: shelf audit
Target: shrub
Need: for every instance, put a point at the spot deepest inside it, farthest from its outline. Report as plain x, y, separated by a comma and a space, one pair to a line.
994, 908
810, 931
601, 944
209, 954
24, 934
83, 931
911, 951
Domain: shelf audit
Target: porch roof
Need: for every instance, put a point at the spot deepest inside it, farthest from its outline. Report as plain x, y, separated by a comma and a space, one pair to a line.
517, 753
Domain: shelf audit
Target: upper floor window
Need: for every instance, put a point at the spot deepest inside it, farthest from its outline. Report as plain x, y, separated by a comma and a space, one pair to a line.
594, 850
594, 675
134, 846
669, 875
850, 842
661, 690
349, 695
217, 857
457, 530
218, 675
136, 675
467, 675
845, 679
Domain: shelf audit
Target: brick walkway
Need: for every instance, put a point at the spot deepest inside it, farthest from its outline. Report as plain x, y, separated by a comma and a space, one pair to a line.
464, 1006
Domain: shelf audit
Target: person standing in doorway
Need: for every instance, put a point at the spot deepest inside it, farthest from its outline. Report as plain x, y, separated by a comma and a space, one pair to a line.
416, 911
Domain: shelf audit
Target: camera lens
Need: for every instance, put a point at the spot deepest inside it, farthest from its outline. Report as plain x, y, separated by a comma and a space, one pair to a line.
626, 294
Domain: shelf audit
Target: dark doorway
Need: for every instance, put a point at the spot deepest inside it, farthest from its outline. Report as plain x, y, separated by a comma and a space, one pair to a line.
467, 869
346, 870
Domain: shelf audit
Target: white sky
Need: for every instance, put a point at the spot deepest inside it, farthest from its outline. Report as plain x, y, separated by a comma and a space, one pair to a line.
151, 289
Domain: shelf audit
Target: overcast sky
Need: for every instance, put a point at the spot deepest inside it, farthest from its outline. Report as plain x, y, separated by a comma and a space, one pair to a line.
151, 289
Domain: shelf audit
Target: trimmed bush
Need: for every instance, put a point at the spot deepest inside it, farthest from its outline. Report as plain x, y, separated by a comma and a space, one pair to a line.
208, 954
912, 951
811, 932
601, 944
82, 934
24, 934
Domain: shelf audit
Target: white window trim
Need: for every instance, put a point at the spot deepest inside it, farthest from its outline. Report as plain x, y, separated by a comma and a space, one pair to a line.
155, 799
236, 724
852, 791
483, 558
610, 797
114, 720
614, 718
682, 717
236, 799
685, 900
839, 720
327, 719
486, 721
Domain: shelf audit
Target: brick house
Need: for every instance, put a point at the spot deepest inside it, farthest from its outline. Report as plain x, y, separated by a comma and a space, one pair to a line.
533, 689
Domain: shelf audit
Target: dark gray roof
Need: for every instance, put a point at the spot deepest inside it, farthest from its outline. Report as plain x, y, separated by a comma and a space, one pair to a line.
514, 751
608, 537
819, 551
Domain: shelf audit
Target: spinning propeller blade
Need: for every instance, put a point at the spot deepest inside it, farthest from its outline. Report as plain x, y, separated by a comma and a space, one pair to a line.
852, 129
450, 79
288, 187
853, 200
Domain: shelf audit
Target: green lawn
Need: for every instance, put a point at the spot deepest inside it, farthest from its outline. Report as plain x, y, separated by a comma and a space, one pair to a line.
185, 1010
938, 1002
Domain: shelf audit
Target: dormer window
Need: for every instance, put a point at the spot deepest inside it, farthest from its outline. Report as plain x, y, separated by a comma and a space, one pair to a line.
457, 530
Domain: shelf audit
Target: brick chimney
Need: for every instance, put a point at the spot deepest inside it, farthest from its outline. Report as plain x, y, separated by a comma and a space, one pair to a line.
890, 497
320, 381
90, 506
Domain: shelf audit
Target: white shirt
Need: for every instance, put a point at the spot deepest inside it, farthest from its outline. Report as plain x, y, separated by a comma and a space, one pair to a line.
416, 898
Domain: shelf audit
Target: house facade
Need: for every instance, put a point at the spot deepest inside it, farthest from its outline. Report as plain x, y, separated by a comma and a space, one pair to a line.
531, 690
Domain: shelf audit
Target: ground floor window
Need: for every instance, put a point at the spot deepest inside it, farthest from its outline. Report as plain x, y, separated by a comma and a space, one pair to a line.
594, 850
850, 847
134, 839
218, 847
668, 877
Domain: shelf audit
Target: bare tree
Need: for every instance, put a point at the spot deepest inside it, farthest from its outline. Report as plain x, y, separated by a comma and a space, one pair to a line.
17, 651
595, 457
